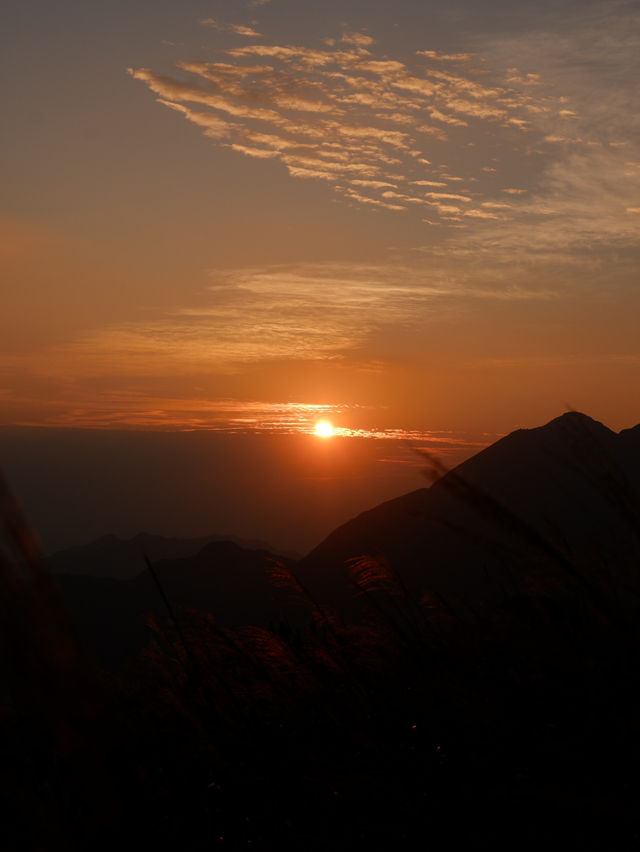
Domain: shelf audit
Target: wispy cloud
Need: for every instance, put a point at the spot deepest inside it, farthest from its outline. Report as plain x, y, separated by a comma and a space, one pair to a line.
445, 57
359, 39
238, 29
355, 119
283, 314
584, 187
565, 119
136, 410
234, 416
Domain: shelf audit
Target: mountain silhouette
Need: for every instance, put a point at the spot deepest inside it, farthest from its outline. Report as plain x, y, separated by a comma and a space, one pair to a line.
115, 558
563, 498
110, 615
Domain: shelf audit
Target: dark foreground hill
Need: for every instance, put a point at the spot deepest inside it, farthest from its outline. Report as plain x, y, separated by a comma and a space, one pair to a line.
561, 501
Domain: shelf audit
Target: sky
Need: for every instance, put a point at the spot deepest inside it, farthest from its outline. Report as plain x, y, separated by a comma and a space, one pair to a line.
409, 218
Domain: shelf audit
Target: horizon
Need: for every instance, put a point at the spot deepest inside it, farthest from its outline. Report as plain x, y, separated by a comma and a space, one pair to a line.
287, 491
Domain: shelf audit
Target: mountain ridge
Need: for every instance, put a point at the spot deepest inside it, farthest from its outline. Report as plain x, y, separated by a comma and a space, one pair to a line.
564, 487
113, 557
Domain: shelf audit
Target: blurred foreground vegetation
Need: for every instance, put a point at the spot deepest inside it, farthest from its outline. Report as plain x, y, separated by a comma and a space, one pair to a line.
514, 727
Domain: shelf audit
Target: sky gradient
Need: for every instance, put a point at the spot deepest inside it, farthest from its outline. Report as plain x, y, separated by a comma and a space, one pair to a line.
423, 217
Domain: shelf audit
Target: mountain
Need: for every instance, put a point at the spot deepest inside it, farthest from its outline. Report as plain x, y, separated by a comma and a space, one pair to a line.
110, 616
560, 501
115, 558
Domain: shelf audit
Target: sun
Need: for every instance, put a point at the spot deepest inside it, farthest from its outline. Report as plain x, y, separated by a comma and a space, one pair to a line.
324, 429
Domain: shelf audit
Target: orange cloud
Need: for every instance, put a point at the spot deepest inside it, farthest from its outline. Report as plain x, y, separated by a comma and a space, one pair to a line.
238, 29
445, 57
341, 115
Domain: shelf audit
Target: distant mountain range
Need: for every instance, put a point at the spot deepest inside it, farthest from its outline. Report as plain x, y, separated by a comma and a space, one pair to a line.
556, 504
116, 558
229, 581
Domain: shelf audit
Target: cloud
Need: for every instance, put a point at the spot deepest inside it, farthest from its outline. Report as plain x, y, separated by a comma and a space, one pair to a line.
450, 195
353, 117
583, 190
258, 153
447, 119
529, 79
481, 214
445, 57
374, 202
359, 39
238, 29
286, 313
375, 184
172, 92
215, 127
306, 172
330, 115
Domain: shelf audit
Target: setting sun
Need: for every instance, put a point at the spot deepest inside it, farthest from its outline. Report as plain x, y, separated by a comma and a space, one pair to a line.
324, 429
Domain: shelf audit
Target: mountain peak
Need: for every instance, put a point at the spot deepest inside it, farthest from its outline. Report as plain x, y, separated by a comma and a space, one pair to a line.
572, 424
573, 419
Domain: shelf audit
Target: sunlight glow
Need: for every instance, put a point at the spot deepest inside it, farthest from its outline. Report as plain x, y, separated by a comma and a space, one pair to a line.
324, 429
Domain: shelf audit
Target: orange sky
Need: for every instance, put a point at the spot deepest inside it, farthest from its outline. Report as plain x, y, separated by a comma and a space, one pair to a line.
424, 219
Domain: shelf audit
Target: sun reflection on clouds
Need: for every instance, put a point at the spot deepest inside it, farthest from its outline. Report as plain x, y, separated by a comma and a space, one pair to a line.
237, 417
